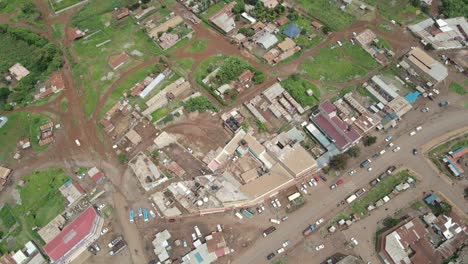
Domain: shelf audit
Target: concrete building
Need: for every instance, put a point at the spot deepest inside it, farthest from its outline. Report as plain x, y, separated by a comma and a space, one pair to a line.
224, 19
442, 34
146, 171
161, 244
72, 191
28, 255
75, 237
425, 66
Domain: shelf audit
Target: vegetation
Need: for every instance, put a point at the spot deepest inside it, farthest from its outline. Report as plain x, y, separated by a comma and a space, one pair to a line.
61, 4
262, 13
353, 152
339, 162
185, 64
298, 87
402, 11
64, 105
32, 51
440, 208
200, 103
262, 127
390, 222
455, 8
438, 153
327, 12
457, 88
331, 65
360, 56
197, 46
122, 158
369, 140
20, 125
40, 202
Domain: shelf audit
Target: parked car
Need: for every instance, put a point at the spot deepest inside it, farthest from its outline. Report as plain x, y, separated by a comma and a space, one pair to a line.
320, 247
352, 172
219, 228
390, 145
114, 241
415, 152
317, 179
369, 169
376, 155
303, 190
278, 202
104, 231
396, 149
273, 203
391, 169
443, 104
320, 221
270, 256
374, 182
323, 178
339, 182
284, 218
280, 250
286, 243
388, 138
333, 186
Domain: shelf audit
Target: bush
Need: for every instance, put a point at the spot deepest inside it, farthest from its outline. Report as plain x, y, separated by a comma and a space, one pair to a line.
353, 152
199, 103
369, 140
390, 222
442, 208
122, 158
339, 162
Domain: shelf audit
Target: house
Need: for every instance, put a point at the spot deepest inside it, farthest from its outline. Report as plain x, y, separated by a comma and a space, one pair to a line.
270, 3
56, 82
271, 55
316, 24
224, 18
167, 40
267, 40
170, 23
4, 175
292, 30
75, 33
116, 61
282, 21
239, 38
286, 44
18, 71
161, 245
24, 143
245, 76
120, 13
258, 26
442, 34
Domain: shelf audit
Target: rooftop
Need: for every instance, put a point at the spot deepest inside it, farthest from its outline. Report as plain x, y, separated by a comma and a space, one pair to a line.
18, 71
118, 60
292, 30
425, 63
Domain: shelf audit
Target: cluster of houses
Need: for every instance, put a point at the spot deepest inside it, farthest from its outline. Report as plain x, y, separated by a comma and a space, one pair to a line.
243, 81
370, 43
46, 134
454, 161
54, 85
442, 34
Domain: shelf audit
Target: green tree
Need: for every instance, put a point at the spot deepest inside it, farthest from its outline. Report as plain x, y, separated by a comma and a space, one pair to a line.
353, 151
442, 208
122, 158
199, 103
369, 140
339, 162
390, 222
262, 127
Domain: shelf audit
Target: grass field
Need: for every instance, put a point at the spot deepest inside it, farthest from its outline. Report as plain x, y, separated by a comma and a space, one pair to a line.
40, 202
438, 153
457, 88
360, 56
327, 12
185, 64
400, 10
197, 46
297, 88
91, 61
20, 125
64, 105
331, 65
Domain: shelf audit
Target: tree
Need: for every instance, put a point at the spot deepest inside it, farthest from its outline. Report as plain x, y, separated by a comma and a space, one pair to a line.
293, 15
199, 103
326, 29
429, 46
353, 151
369, 140
259, 77
441, 208
239, 7
454, 8
339, 162
262, 127
122, 158
145, 1
390, 222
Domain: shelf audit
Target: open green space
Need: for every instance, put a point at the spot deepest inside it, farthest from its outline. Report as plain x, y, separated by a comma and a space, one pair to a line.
327, 12
457, 88
58, 5
200, 103
20, 125
185, 64
32, 51
331, 65
22, 10
64, 105
360, 56
7, 219
197, 46
58, 30
298, 87
91, 70
401, 11
213, 10
438, 153
40, 202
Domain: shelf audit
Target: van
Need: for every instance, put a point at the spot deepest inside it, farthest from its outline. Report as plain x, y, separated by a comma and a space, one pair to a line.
268, 231
339, 43
418, 128
274, 221
412, 133
197, 230
77, 142
239, 215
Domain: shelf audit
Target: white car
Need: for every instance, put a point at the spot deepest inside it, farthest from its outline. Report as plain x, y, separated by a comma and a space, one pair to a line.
262, 206
320, 247
390, 145
194, 236
304, 190
219, 228
352, 172
274, 203
369, 169
396, 149
304, 185
314, 182
280, 250
355, 242
77, 142
286, 243
153, 215
190, 150
339, 43
418, 128
412, 133
311, 184
320, 221
100, 207
278, 202
104, 231
382, 152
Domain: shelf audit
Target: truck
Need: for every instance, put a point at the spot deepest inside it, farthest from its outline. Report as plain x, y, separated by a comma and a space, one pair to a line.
239, 215
365, 163
145, 215
351, 198
246, 213
309, 230
132, 216
443, 104
117, 248
268, 231
197, 231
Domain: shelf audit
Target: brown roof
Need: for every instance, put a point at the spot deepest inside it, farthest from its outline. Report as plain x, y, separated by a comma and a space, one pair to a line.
246, 76
46, 126
270, 56
46, 141
216, 242
137, 88
56, 81
176, 169
286, 44
74, 33
258, 26
120, 13
316, 24
118, 60
282, 20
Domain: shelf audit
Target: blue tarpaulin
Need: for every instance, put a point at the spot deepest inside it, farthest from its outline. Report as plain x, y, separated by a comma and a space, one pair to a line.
411, 97
291, 30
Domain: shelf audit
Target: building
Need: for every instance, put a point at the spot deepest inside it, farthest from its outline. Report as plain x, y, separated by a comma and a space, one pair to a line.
24, 143
270, 3
282, 21
120, 13
341, 134
452, 161
116, 61
161, 245
286, 44
28, 255
96, 175
72, 191
4, 175
167, 40
52, 229
208, 252
266, 40
442, 34
292, 30
224, 19
18, 71
316, 24
425, 66
217, 244
75, 237
75, 33
150, 87
146, 171
133, 137
170, 23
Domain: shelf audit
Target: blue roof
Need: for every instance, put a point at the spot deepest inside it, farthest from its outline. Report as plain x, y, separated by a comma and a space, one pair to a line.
431, 199
411, 97
458, 150
198, 257
292, 30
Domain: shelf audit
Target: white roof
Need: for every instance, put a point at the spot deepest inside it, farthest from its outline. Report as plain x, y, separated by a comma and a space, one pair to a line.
19, 257
152, 85
30, 247
267, 40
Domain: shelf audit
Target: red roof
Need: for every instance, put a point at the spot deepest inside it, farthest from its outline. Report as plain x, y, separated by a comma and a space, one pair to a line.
78, 187
118, 60
71, 235
56, 81
97, 177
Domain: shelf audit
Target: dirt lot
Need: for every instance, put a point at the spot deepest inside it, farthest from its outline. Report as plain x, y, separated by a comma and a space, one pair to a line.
189, 163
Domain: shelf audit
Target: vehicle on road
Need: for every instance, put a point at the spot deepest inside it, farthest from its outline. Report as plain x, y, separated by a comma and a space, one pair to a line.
117, 248
419, 128
323, 178
339, 182
320, 247
415, 152
132, 216
351, 198
333, 186
412, 133
197, 230
284, 219
382, 152
352, 172
190, 150
286, 243
444, 103
339, 43
274, 221
382, 176
365, 163
304, 185
355, 242
270, 256
280, 250
388, 138
396, 149
268, 231
104, 231
320, 221
309, 230
96, 247
114, 241
391, 169
219, 228
369, 169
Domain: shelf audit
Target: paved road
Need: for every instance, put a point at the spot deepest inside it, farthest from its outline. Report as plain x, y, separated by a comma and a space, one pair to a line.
434, 126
